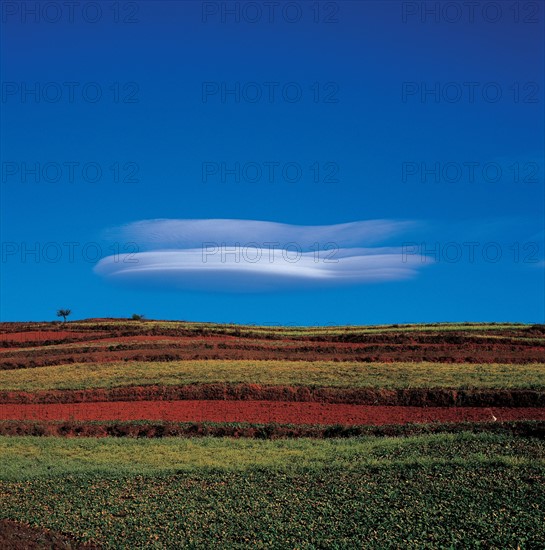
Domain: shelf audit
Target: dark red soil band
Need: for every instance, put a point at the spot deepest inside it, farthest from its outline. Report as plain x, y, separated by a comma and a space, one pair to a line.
154, 429
41, 336
415, 397
20, 536
264, 412
142, 343
211, 349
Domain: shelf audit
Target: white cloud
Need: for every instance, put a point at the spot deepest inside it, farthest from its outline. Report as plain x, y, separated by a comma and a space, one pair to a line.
169, 233
246, 255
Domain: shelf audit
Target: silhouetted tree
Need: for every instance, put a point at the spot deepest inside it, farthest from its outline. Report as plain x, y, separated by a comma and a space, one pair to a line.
64, 313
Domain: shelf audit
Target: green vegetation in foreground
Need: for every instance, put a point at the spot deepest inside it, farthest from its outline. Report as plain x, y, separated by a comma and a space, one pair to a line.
296, 373
29, 457
434, 491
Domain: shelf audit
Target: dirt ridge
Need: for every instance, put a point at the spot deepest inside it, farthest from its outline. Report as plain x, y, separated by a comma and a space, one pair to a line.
158, 429
415, 397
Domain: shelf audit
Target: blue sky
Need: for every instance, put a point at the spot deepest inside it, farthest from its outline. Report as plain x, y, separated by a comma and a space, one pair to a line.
359, 146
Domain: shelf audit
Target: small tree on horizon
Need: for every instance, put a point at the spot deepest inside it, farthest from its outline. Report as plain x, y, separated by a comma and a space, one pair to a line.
137, 317
64, 313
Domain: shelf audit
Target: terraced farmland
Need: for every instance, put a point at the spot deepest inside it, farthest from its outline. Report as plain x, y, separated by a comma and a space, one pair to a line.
367, 422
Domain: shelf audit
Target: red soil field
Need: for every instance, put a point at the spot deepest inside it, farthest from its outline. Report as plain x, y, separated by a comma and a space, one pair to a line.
190, 349
408, 397
43, 336
142, 342
265, 412
104, 342
141, 338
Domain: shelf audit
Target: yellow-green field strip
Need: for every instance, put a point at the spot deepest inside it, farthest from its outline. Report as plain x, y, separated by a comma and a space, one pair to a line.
27, 457
294, 373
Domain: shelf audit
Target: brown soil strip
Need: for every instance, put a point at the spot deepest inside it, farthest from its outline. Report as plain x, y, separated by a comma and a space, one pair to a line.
264, 412
417, 397
204, 350
41, 336
155, 429
19, 536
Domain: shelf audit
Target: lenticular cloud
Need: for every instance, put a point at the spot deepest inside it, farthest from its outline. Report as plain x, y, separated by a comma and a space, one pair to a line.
247, 255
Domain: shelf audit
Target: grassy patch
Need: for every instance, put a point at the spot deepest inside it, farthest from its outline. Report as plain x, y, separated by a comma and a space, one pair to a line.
28, 457
36, 457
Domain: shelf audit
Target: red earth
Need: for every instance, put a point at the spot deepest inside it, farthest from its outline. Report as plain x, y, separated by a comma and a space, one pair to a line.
408, 397
264, 412
189, 349
42, 336
104, 341
143, 342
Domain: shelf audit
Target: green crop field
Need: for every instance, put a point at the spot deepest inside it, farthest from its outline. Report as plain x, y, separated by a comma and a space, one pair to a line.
433, 491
